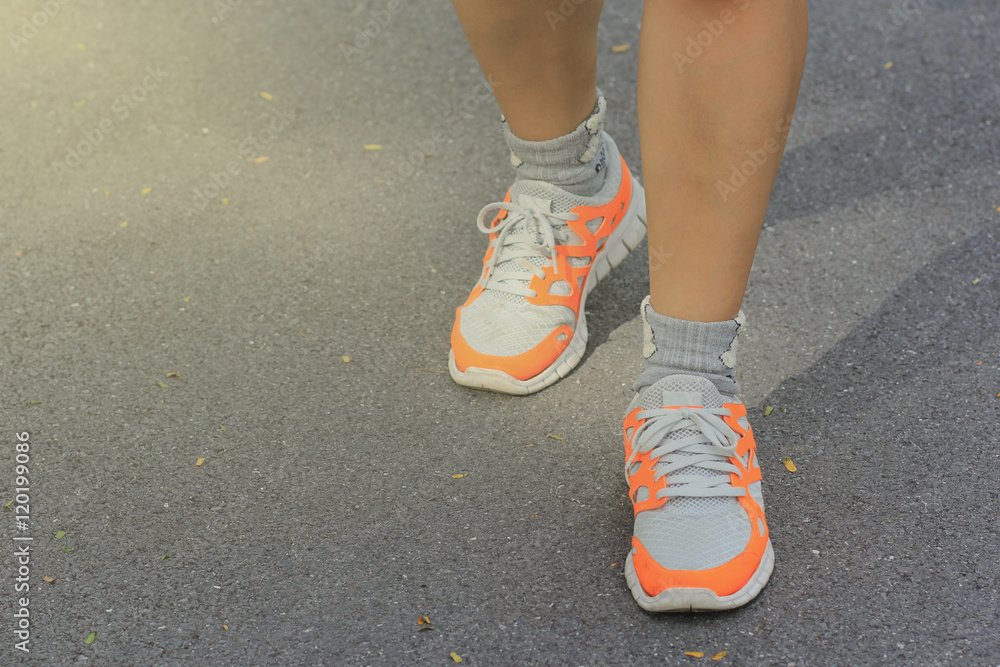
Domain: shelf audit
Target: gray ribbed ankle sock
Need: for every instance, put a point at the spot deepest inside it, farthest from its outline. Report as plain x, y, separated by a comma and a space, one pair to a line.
705, 349
574, 162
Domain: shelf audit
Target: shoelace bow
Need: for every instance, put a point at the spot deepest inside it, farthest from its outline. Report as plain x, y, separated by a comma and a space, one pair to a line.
548, 229
709, 448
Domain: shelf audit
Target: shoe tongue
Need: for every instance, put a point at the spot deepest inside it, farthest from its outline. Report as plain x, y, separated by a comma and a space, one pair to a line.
694, 391
689, 399
676, 390
542, 196
525, 194
535, 203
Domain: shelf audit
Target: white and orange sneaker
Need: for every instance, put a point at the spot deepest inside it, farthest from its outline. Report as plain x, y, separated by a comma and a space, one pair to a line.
523, 327
700, 541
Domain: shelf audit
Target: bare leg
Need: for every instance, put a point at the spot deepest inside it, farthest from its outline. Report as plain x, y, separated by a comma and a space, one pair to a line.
544, 62
702, 113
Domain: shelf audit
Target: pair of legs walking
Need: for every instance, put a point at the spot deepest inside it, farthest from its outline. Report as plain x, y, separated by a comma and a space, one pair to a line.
717, 85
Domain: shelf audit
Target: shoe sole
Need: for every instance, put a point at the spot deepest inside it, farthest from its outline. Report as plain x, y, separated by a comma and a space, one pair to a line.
700, 599
626, 237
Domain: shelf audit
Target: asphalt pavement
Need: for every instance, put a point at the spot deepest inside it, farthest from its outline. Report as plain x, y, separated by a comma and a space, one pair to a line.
232, 238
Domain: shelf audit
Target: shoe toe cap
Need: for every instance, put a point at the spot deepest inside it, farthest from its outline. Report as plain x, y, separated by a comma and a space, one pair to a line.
521, 343
698, 542
717, 551
722, 580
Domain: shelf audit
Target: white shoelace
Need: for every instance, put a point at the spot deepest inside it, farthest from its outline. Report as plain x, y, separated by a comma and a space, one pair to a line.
708, 448
542, 231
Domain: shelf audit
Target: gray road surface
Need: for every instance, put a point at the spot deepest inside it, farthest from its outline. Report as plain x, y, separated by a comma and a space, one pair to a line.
327, 517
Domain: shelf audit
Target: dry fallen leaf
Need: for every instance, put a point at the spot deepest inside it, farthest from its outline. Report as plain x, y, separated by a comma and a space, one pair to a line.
48, 580
889, 65
976, 281
267, 96
720, 655
555, 437
260, 159
788, 464
423, 620
173, 375
225, 201
124, 223
458, 476
199, 461
620, 48
373, 147
347, 359
456, 657
694, 654
225, 627
146, 191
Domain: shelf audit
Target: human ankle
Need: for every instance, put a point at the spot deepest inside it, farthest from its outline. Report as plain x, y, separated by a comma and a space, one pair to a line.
574, 162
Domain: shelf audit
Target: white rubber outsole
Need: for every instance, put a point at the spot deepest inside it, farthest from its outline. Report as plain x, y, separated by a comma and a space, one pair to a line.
626, 238
700, 599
